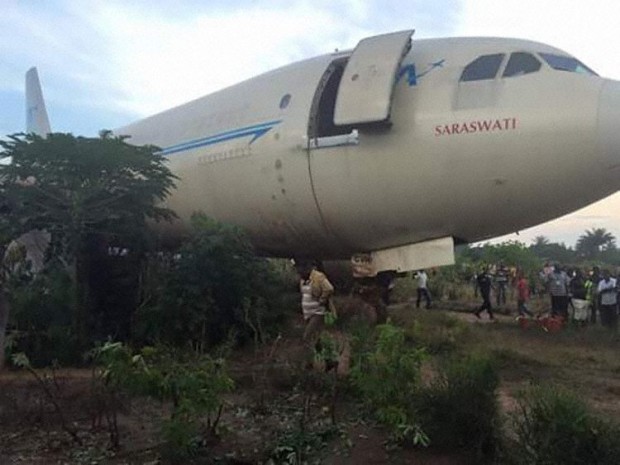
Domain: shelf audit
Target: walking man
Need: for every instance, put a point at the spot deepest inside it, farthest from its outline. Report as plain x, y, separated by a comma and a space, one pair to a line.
485, 281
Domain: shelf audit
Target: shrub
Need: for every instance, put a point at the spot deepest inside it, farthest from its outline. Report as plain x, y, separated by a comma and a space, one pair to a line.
213, 286
194, 384
555, 427
388, 377
40, 318
459, 409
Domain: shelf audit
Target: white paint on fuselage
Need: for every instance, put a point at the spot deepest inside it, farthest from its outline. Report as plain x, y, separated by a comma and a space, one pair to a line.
407, 184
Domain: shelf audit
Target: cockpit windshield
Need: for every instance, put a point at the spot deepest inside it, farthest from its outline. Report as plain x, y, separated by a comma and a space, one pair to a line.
566, 63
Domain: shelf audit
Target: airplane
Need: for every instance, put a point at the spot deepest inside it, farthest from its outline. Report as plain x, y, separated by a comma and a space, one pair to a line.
394, 152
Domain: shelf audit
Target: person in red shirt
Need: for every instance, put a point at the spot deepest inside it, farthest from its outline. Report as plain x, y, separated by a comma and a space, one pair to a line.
523, 295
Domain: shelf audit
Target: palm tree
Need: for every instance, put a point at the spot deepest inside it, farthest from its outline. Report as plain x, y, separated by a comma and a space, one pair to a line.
540, 241
594, 241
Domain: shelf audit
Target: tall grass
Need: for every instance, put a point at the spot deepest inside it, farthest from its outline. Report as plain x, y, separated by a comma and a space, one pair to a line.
554, 426
459, 409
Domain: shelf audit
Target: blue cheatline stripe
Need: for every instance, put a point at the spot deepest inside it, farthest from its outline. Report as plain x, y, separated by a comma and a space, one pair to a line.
256, 130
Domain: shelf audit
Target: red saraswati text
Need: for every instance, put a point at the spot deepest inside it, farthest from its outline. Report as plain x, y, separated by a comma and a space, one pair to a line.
471, 127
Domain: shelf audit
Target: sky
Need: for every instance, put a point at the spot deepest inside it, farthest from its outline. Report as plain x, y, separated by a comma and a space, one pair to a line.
105, 63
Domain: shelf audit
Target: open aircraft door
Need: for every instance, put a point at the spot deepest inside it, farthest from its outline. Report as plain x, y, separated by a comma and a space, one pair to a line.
365, 91
356, 94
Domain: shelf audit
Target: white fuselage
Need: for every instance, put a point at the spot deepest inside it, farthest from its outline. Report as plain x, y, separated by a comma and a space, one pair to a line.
470, 160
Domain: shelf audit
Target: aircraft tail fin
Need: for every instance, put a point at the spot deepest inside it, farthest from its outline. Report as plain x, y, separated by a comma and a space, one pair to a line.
36, 114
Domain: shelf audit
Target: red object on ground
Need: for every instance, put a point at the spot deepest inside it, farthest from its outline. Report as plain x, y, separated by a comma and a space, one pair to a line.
524, 322
551, 324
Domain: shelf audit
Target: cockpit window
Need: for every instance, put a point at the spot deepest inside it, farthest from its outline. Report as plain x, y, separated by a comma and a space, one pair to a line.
483, 67
566, 63
521, 63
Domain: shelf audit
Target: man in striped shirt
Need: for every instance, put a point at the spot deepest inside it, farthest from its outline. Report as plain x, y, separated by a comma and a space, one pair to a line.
558, 282
316, 291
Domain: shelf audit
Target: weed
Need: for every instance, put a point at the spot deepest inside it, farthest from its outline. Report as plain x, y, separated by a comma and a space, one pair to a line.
459, 409
553, 426
438, 333
50, 388
388, 376
193, 383
294, 447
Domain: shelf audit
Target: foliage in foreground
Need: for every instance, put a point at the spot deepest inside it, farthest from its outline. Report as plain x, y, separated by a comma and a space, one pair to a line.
554, 426
388, 376
459, 409
194, 384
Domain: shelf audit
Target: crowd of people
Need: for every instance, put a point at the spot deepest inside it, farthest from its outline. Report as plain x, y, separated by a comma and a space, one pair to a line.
575, 294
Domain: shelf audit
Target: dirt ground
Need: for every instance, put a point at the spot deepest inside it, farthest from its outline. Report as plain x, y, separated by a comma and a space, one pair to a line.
265, 411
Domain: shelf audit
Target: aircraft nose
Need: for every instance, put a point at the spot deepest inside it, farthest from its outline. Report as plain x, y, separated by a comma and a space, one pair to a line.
609, 124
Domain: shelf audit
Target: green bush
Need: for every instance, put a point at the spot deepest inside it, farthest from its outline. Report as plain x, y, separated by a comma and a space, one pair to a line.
193, 383
388, 376
182, 440
554, 427
437, 287
459, 409
40, 319
213, 286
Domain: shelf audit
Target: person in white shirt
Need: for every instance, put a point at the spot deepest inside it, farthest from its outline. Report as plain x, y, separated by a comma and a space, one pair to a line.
422, 281
608, 295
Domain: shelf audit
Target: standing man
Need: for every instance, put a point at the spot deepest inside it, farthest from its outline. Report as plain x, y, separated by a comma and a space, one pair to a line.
558, 289
422, 279
501, 278
485, 280
596, 298
608, 298
316, 291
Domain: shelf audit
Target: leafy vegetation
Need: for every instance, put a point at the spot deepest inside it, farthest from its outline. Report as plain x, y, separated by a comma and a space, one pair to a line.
213, 285
459, 409
193, 383
81, 194
553, 426
594, 243
41, 322
388, 378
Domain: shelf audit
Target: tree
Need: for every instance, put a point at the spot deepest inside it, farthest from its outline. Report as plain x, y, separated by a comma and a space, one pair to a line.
81, 189
551, 251
540, 241
593, 242
509, 252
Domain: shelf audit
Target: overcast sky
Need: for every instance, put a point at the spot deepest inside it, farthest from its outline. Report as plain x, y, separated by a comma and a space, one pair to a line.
105, 63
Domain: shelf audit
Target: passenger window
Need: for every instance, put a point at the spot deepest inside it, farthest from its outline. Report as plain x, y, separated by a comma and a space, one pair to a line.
483, 67
521, 63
